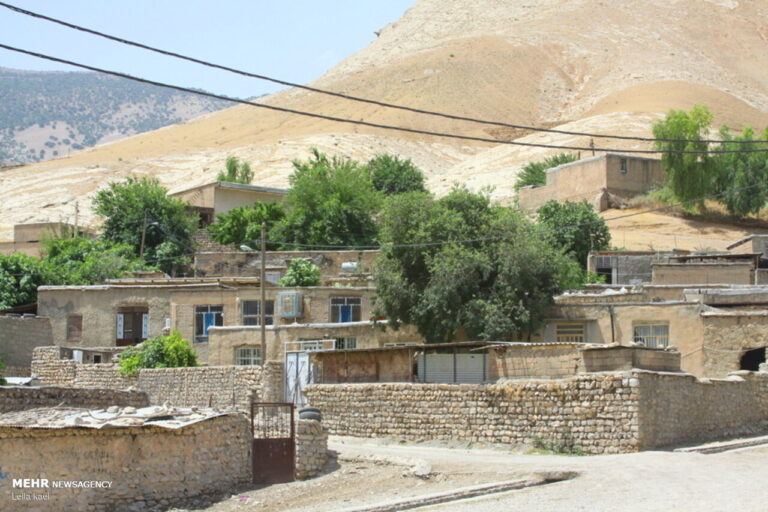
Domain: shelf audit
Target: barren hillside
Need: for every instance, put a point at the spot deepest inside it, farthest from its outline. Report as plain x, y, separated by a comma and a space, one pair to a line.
609, 67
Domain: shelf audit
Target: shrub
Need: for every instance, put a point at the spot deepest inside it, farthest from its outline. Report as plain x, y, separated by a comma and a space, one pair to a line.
301, 272
159, 352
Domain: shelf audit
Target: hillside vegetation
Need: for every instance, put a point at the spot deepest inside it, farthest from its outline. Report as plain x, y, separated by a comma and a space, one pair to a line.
50, 114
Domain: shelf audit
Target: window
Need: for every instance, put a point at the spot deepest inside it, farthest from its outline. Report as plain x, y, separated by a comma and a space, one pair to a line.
74, 327
205, 317
96, 359
569, 332
252, 312
247, 356
652, 335
346, 309
623, 166
132, 325
346, 343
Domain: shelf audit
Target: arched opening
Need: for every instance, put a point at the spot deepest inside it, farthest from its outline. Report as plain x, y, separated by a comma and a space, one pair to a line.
751, 359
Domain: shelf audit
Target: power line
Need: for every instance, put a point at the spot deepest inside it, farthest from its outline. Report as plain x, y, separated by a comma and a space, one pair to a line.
366, 123
350, 97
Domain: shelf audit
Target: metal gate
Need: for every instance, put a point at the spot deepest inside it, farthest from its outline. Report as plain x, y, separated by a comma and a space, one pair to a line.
274, 443
298, 374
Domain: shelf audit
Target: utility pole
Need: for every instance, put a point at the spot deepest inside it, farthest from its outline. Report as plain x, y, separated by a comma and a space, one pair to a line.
143, 235
263, 304
77, 211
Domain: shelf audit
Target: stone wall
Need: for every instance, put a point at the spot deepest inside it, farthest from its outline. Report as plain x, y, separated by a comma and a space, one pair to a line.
679, 409
595, 413
147, 466
14, 398
202, 386
19, 336
311, 448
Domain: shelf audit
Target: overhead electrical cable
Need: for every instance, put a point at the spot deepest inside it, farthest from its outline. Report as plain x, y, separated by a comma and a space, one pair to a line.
367, 123
358, 98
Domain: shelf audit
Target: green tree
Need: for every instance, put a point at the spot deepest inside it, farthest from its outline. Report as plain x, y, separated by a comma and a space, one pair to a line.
3, 382
159, 352
138, 206
535, 173
497, 286
79, 260
742, 177
574, 227
242, 225
301, 272
390, 175
689, 175
20, 275
331, 202
236, 172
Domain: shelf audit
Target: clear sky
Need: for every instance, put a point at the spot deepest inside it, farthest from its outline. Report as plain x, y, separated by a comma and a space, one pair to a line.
294, 40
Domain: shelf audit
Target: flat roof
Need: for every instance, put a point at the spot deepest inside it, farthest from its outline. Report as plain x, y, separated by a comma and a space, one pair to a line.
234, 186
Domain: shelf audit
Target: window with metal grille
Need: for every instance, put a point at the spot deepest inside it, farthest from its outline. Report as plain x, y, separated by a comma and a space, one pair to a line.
205, 318
252, 312
247, 356
346, 309
346, 343
569, 332
652, 335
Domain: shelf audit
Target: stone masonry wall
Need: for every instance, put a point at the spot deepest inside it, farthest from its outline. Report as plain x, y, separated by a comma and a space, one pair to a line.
680, 409
14, 398
311, 448
202, 386
147, 466
597, 413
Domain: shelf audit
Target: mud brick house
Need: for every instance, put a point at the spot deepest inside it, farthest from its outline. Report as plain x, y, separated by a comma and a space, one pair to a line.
221, 196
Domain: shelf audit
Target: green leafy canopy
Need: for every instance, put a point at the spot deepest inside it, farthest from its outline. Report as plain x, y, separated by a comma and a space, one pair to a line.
159, 352
535, 173
301, 272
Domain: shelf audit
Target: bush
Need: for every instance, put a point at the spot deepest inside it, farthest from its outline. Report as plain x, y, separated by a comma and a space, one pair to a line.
535, 173
3, 382
301, 272
159, 352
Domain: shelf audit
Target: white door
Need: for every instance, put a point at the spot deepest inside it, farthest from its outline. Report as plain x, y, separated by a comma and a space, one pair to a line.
297, 376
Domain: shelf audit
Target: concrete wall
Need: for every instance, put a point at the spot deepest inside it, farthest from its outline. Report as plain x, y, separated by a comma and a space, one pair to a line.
223, 341
147, 466
19, 336
594, 413
702, 273
13, 398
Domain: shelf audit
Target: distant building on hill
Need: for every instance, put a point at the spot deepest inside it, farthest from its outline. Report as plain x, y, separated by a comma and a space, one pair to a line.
603, 180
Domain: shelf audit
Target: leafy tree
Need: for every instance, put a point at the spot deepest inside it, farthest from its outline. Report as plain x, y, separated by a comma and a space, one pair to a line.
236, 172
242, 225
138, 206
3, 382
331, 202
742, 177
495, 287
391, 175
574, 227
535, 173
79, 260
20, 275
689, 175
301, 272
159, 352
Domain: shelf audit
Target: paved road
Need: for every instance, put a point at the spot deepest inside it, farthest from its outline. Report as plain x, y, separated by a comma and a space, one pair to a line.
642, 482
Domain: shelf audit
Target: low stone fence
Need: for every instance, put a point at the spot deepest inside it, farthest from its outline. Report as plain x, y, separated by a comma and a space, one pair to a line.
14, 398
595, 413
135, 467
202, 386
15, 371
311, 448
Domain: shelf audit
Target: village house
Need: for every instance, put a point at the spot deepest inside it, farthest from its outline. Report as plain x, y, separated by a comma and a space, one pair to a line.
604, 180
27, 238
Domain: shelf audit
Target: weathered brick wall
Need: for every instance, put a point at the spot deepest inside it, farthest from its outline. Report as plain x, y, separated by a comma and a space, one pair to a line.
148, 466
23, 398
680, 409
103, 375
311, 448
597, 413
19, 336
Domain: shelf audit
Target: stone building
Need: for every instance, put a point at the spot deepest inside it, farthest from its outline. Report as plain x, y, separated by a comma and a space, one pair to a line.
602, 180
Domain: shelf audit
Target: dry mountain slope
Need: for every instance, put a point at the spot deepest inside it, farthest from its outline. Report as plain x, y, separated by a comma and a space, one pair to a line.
610, 67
